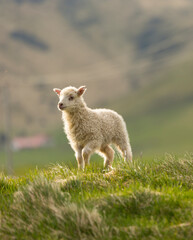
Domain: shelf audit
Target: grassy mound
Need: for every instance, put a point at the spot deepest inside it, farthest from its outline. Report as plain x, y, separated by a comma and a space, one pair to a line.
148, 200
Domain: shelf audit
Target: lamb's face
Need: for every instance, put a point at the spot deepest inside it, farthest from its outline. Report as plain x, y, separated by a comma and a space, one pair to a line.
69, 97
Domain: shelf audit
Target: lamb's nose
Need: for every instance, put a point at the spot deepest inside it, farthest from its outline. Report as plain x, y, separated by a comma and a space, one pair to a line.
60, 105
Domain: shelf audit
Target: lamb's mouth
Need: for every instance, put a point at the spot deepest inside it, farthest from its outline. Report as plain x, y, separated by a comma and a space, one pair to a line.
61, 108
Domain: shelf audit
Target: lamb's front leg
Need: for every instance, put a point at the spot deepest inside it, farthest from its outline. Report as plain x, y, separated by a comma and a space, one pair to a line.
88, 150
79, 158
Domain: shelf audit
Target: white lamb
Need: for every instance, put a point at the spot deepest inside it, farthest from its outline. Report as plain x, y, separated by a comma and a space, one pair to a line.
92, 130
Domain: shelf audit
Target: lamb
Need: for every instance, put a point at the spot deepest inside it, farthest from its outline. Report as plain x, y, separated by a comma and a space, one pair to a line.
92, 130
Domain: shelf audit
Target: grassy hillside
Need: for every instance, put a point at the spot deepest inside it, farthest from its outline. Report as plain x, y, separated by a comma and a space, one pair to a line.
148, 200
159, 116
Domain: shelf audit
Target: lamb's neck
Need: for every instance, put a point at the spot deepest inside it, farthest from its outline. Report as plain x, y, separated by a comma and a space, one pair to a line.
76, 114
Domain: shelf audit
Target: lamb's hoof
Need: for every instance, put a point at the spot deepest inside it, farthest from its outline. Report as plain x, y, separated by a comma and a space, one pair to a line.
108, 169
80, 168
109, 173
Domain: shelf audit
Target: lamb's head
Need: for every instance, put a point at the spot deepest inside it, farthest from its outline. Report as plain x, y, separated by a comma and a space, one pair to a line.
70, 98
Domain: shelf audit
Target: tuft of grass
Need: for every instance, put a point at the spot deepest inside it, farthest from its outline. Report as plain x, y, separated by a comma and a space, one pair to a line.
150, 199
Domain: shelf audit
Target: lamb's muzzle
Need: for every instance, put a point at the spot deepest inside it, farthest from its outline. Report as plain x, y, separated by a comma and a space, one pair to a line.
92, 130
61, 106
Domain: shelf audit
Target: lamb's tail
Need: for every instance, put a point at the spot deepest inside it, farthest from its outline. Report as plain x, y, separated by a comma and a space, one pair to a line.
128, 156
123, 142
126, 151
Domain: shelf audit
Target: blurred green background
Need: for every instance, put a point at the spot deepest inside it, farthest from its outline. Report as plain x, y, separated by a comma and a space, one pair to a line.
134, 57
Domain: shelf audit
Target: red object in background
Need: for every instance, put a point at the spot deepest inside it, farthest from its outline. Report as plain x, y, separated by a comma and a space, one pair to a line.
37, 141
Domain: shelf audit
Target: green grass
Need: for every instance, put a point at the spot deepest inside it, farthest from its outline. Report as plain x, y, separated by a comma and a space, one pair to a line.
151, 199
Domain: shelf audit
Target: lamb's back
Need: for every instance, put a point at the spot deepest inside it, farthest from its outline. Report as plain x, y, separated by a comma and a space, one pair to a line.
107, 116
110, 122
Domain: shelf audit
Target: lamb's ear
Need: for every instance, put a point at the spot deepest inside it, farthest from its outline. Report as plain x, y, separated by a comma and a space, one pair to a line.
81, 90
57, 91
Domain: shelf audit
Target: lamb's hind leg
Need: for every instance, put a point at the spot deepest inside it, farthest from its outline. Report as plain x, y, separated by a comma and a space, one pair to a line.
109, 154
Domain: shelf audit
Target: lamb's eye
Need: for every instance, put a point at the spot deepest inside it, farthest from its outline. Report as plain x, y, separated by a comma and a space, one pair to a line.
70, 98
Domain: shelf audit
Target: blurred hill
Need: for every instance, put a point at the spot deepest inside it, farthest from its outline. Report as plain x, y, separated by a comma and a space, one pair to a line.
159, 116
116, 48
